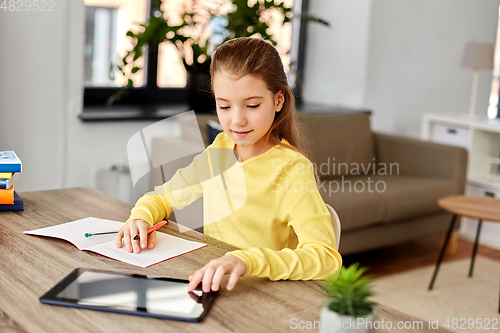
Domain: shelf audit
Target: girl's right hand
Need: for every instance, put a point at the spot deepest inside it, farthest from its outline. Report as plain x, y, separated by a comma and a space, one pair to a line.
130, 230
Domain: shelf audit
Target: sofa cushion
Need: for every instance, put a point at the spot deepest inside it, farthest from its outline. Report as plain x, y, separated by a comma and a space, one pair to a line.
362, 201
414, 196
339, 143
355, 209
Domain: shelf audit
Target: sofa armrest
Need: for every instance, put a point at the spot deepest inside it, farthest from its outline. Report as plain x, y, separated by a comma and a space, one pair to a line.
421, 158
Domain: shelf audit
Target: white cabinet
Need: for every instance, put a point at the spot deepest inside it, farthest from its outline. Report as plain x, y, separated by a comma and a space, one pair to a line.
451, 135
481, 138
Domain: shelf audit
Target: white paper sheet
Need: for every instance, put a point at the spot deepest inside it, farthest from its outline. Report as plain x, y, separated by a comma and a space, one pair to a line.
167, 246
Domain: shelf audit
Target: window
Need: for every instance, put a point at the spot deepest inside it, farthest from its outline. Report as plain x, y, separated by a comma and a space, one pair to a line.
100, 46
107, 22
163, 78
494, 105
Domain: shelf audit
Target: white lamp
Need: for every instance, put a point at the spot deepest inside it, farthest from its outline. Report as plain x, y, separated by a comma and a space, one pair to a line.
476, 56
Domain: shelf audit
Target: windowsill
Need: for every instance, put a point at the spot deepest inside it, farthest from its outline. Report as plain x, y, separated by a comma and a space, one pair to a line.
321, 108
155, 112
131, 112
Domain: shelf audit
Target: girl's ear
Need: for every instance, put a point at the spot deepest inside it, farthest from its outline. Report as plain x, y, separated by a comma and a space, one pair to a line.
279, 100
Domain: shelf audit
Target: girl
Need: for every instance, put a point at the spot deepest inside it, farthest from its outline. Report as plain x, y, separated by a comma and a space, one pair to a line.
280, 222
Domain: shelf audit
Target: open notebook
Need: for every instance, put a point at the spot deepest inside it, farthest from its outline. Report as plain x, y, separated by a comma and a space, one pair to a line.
74, 232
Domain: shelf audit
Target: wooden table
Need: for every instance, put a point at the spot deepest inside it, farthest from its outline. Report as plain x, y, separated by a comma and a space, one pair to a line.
481, 208
31, 265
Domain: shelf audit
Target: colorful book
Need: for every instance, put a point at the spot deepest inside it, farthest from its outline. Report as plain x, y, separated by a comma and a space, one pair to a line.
9, 181
17, 205
9, 162
7, 196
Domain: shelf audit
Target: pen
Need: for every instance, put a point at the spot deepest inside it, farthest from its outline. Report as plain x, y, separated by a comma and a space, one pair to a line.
153, 228
100, 233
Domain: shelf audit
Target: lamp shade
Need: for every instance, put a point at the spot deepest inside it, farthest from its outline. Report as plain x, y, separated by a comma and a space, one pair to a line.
478, 55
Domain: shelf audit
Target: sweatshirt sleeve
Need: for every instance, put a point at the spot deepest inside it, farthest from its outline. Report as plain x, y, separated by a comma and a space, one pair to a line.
183, 188
302, 208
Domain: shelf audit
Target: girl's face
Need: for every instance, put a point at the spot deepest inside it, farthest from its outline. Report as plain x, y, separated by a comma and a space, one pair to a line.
246, 109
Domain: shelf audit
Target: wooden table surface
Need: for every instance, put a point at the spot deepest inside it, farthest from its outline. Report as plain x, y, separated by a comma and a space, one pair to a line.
482, 208
31, 265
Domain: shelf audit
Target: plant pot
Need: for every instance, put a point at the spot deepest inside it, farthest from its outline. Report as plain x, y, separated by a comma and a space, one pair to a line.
332, 322
199, 94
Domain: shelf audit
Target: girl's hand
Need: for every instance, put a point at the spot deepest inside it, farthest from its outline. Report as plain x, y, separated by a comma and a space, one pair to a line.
212, 273
130, 230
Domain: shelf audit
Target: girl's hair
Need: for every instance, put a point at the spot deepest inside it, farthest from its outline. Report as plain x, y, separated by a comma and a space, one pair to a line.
255, 56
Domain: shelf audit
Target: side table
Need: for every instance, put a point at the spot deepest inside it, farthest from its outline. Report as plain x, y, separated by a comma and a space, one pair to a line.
481, 208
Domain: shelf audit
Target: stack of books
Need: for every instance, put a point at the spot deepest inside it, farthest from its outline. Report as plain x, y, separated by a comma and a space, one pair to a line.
10, 169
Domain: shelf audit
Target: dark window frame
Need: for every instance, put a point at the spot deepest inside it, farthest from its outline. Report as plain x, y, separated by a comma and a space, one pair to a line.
153, 102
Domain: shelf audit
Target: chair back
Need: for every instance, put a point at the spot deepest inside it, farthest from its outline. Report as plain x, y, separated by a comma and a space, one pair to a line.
336, 224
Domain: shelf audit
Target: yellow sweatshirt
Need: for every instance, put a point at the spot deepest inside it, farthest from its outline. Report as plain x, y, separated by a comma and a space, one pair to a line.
269, 206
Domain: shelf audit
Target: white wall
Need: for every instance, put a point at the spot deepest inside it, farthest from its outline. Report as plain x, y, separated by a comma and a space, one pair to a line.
400, 58
414, 62
336, 56
32, 93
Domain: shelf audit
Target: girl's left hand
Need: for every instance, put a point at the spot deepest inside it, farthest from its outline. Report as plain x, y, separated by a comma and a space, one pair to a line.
212, 273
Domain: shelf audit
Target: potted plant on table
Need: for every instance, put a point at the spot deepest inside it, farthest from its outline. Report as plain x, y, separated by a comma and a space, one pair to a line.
348, 301
196, 32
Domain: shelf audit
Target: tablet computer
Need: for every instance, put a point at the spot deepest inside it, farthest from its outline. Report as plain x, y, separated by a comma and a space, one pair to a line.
130, 294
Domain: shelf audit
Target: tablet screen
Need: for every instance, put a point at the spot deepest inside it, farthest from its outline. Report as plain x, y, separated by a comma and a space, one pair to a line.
131, 294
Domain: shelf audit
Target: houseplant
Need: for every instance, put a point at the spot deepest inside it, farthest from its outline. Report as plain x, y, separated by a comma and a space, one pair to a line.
192, 33
348, 301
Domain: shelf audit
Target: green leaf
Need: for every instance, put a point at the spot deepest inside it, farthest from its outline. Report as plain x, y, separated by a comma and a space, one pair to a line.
137, 55
311, 18
135, 70
349, 291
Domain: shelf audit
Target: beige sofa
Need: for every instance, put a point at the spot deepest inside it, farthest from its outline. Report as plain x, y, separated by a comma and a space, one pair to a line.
383, 187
